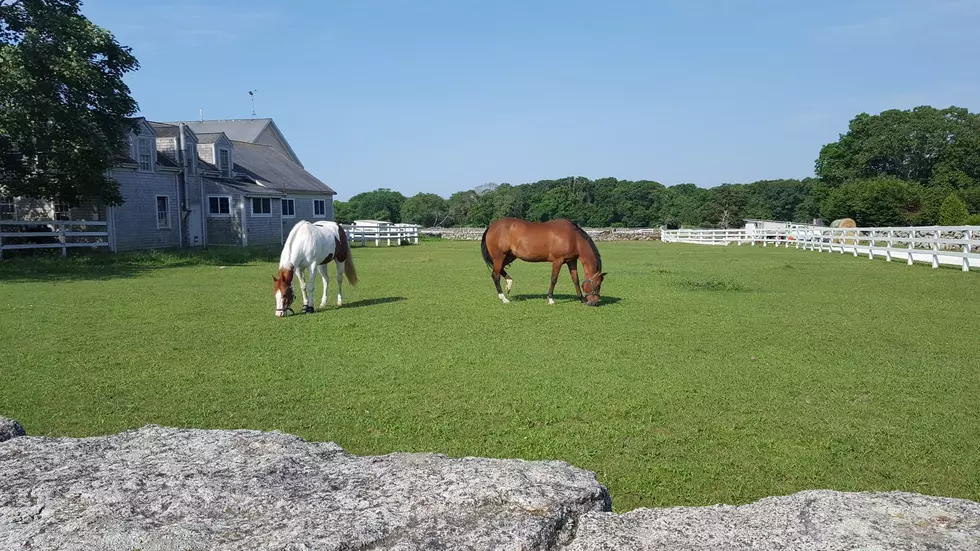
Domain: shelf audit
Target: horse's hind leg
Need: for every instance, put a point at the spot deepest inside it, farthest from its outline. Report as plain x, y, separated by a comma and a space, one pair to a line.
555, 270
340, 284
326, 281
498, 268
510, 282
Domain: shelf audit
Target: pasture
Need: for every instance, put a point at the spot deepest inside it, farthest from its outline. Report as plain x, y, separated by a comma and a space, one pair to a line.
707, 375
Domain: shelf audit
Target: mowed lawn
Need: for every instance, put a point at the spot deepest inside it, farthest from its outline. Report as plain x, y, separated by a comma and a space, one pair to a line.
708, 375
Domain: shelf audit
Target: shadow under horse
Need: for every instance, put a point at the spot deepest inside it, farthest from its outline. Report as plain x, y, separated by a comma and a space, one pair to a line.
560, 242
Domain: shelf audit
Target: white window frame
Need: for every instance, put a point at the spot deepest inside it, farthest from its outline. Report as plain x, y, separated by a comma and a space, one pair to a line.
146, 143
8, 210
61, 208
157, 208
224, 170
324, 213
219, 214
282, 207
260, 214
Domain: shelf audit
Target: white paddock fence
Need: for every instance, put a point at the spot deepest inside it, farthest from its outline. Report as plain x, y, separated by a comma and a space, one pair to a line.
59, 234
937, 245
378, 231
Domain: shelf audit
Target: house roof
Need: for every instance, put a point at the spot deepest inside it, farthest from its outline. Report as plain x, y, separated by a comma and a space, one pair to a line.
164, 130
269, 166
241, 130
209, 137
244, 187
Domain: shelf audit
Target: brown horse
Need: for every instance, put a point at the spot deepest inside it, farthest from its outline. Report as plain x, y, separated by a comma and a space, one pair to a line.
560, 242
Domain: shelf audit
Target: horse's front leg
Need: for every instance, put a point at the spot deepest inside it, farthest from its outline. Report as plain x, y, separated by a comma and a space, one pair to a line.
340, 283
573, 270
308, 297
555, 270
302, 287
326, 282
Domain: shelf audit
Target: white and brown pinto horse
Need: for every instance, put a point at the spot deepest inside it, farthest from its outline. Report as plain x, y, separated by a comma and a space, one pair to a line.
311, 247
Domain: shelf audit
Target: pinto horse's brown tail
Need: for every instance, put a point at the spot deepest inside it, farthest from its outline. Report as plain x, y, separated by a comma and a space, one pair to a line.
350, 271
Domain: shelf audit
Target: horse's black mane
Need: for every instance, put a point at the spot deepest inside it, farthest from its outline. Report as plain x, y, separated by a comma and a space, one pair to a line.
595, 251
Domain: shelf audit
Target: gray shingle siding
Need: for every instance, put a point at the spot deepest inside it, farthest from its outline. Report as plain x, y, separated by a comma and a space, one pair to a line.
264, 230
135, 221
303, 207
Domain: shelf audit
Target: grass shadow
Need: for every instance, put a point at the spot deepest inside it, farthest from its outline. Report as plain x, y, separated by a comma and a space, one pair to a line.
102, 265
604, 299
372, 302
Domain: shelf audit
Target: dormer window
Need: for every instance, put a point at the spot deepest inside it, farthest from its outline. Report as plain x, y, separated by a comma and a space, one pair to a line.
145, 154
224, 163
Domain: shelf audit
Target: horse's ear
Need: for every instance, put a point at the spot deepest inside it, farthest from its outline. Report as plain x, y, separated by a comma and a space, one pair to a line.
603, 275
274, 278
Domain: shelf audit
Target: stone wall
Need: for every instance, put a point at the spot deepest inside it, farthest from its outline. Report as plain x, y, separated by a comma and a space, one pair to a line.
597, 234
165, 488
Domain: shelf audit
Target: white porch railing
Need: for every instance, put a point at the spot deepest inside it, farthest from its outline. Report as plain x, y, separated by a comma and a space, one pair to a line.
376, 231
59, 232
937, 245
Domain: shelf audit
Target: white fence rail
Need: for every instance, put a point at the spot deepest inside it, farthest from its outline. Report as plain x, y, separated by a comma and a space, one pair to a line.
937, 245
59, 235
379, 232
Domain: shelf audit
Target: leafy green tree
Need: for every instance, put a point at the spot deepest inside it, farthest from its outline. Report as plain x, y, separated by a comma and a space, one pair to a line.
380, 204
885, 201
425, 209
342, 212
953, 211
909, 145
64, 108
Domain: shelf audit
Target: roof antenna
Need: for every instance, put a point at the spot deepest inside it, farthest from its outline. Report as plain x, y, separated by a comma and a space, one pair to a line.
202, 114
251, 94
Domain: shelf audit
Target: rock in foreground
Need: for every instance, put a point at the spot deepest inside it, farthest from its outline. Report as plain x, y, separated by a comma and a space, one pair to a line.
162, 488
10, 428
816, 520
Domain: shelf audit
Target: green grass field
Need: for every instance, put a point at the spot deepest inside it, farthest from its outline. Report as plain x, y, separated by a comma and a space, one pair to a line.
708, 375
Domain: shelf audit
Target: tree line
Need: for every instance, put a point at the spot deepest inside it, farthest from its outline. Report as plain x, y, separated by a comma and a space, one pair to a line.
910, 167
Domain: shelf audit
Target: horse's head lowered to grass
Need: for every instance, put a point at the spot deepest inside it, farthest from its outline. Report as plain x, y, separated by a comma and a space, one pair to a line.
282, 288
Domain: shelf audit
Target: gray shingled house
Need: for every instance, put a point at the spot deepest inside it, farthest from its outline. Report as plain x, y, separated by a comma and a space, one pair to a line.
187, 183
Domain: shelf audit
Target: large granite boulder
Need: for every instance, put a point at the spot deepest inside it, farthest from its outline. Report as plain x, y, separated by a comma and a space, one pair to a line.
161, 488
816, 520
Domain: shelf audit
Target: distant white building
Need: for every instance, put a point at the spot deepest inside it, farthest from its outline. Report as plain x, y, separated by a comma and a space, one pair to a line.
756, 224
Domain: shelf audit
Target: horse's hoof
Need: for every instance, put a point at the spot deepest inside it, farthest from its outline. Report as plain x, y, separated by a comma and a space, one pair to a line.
551, 300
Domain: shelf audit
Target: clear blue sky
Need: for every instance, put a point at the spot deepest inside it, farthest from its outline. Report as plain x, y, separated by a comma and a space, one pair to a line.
444, 95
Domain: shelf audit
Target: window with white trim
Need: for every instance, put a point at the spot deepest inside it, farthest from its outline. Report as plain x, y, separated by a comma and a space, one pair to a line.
224, 162
319, 208
6, 208
219, 205
145, 154
288, 208
261, 206
62, 211
163, 212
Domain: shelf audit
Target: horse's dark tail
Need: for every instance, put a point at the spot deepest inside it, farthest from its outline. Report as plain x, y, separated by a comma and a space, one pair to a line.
486, 252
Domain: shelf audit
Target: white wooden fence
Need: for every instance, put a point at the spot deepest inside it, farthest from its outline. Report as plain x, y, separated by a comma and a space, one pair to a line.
60, 234
378, 231
937, 245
